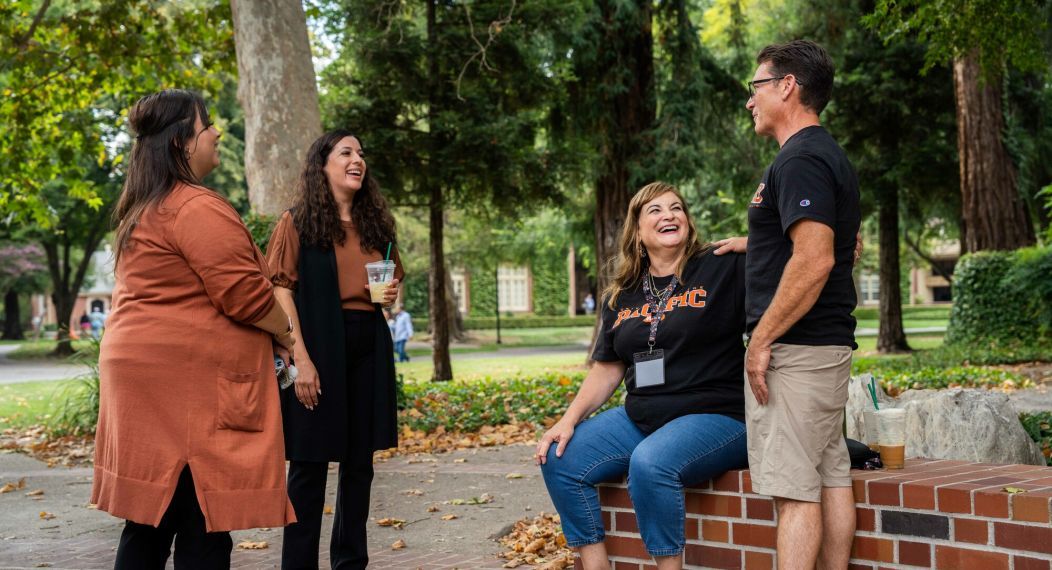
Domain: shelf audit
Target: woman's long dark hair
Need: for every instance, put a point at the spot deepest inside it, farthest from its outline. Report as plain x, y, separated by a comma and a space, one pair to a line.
314, 210
163, 124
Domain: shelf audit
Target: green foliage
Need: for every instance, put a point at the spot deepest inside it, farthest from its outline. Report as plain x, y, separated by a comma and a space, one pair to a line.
77, 412
22, 267
1000, 31
1002, 299
260, 226
930, 313
1039, 426
467, 406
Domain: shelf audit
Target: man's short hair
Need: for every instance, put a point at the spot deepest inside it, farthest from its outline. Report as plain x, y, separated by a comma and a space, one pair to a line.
809, 63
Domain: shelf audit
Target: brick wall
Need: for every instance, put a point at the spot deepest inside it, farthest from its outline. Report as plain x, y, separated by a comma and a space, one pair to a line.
933, 514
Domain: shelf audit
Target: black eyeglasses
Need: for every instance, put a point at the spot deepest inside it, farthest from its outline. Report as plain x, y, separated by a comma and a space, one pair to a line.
752, 84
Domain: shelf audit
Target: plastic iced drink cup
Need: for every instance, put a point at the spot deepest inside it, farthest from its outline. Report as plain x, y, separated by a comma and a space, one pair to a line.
381, 273
871, 428
892, 437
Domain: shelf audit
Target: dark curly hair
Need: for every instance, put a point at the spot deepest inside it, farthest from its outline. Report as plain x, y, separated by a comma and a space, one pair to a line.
314, 209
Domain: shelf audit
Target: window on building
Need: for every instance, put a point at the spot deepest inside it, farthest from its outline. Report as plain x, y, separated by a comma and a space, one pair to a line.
869, 288
514, 283
460, 289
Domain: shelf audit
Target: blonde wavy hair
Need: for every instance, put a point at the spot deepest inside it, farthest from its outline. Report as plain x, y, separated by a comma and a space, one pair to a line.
627, 268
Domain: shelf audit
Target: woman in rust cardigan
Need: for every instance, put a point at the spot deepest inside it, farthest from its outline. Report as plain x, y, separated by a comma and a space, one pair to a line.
189, 441
342, 407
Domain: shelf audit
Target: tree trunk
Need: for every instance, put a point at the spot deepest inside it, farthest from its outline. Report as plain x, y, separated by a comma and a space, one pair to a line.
993, 214
631, 113
277, 90
12, 317
890, 337
437, 303
66, 281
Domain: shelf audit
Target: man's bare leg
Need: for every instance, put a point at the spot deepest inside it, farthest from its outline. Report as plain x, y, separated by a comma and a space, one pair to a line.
838, 527
593, 556
799, 534
669, 562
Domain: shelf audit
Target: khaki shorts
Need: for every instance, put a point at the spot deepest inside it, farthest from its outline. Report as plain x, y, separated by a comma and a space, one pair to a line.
796, 441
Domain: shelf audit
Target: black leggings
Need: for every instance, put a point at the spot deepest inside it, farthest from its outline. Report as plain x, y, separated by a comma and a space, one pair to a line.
144, 547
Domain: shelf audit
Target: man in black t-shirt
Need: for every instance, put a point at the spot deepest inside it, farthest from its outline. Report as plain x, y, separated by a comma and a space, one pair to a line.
803, 220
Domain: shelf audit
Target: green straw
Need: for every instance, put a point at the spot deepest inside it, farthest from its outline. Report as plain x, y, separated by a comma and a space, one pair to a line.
387, 257
873, 393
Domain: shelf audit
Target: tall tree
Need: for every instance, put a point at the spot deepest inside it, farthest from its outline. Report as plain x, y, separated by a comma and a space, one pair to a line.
451, 100
279, 94
22, 270
980, 38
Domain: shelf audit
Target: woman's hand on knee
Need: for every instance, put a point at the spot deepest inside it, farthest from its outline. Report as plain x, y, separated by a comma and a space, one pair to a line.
560, 433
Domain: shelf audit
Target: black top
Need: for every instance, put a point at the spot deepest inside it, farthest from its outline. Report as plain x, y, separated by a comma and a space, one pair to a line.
811, 179
701, 334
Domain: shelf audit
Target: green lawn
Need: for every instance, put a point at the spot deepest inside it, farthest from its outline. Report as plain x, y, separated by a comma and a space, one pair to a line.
419, 369
867, 345
485, 340
29, 403
40, 349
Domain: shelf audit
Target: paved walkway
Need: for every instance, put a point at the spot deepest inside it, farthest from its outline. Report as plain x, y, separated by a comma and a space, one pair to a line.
12, 371
79, 537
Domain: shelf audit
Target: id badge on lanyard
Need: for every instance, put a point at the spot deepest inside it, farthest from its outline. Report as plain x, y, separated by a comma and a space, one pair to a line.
650, 365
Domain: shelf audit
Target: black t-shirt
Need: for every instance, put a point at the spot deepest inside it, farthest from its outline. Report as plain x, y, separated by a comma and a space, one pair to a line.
812, 179
701, 334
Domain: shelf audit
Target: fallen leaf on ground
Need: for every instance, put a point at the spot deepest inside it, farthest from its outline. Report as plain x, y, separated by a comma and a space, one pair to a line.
1014, 490
398, 544
460, 460
44, 515
328, 510
8, 487
514, 476
433, 509
249, 545
448, 517
414, 492
35, 493
396, 523
537, 541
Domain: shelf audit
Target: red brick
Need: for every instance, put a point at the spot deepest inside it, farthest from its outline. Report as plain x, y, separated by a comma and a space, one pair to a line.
915, 553
956, 498
712, 557
1031, 507
755, 535
859, 487
918, 496
1023, 537
614, 497
865, 519
729, 481
1027, 563
710, 504
746, 482
690, 528
758, 560
876, 549
759, 509
991, 503
608, 520
883, 493
621, 565
577, 564
626, 547
1001, 480
971, 530
956, 558
715, 531
854, 566
626, 522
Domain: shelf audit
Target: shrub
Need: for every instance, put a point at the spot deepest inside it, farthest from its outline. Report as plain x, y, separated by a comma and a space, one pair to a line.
1039, 426
1002, 299
78, 410
260, 226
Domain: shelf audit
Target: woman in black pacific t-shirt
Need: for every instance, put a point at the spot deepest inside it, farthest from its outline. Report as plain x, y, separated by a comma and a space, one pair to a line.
672, 325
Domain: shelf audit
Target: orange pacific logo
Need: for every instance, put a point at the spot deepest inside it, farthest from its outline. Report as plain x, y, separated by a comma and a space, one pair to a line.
758, 197
694, 298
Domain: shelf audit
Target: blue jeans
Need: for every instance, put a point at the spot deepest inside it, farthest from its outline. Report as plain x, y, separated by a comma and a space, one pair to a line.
399, 346
686, 451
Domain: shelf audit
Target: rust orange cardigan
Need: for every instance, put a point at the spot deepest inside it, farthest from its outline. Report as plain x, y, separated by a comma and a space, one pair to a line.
185, 378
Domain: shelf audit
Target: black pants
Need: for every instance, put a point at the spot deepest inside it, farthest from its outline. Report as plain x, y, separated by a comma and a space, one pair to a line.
143, 547
348, 548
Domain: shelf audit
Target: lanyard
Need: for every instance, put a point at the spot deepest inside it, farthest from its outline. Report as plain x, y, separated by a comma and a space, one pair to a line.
657, 303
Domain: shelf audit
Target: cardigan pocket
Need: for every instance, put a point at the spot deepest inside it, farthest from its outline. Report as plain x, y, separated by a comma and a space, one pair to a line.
240, 401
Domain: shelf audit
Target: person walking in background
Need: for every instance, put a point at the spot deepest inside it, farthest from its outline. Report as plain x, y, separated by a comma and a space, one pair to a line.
588, 304
189, 442
803, 222
98, 322
85, 326
403, 331
343, 407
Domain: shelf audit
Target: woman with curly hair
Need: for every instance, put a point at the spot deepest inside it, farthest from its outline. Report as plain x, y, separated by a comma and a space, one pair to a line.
342, 407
